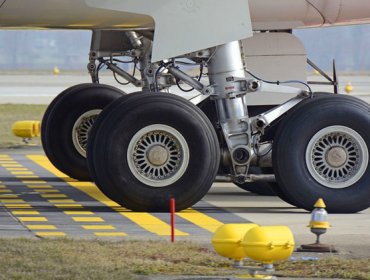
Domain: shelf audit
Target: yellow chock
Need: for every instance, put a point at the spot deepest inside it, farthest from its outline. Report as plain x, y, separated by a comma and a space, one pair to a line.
348, 88
56, 70
26, 129
268, 244
228, 238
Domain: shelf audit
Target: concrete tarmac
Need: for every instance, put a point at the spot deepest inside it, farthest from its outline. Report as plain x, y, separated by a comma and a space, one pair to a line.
38, 200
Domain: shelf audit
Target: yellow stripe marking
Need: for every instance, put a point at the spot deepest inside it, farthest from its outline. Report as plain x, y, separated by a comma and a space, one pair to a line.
5, 191
40, 187
22, 172
45, 191
11, 205
10, 200
2, 186
110, 234
200, 219
61, 201
38, 227
53, 195
68, 205
33, 182
26, 176
87, 219
50, 233
11, 165
78, 213
8, 195
25, 212
33, 219
17, 169
144, 220
98, 227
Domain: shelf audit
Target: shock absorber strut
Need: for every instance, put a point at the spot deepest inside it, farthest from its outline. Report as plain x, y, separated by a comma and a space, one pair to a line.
227, 75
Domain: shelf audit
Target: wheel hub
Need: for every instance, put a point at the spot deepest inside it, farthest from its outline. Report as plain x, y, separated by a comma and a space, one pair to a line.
157, 155
81, 129
336, 156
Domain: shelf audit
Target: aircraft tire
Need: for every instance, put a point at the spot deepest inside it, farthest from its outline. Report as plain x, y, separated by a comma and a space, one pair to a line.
66, 124
149, 148
321, 150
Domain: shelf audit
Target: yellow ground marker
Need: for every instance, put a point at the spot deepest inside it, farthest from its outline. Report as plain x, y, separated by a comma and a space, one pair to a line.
8, 196
33, 219
25, 212
40, 186
50, 233
46, 191
22, 173
144, 220
2, 186
17, 169
68, 205
12, 200
201, 220
61, 201
89, 227
5, 191
78, 213
40, 227
109, 234
11, 165
53, 195
16, 205
33, 182
88, 219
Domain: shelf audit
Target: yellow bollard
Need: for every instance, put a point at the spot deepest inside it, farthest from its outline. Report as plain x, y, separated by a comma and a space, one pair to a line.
56, 71
24, 129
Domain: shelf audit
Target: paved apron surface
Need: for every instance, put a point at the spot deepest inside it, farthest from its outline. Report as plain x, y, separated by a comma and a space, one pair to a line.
38, 200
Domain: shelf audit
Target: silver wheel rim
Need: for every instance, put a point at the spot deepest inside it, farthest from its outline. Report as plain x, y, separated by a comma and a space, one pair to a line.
81, 129
158, 155
337, 157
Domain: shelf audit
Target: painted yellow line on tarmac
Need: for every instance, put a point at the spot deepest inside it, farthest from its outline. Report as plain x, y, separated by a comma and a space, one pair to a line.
25, 212
53, 195
40, 186
11, 165
22, 173
8, 195
144, 220
16, 205
61, 201
12, 200
50, 233
110, 234
2, 186
17, 169
5, 191
40, 227
68, 205
26, 182
33, 219
88, 219
78, 213
89, 227
201, 220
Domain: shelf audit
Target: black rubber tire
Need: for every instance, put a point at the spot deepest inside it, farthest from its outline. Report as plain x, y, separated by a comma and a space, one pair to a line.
113, 131
60, 118
291, 141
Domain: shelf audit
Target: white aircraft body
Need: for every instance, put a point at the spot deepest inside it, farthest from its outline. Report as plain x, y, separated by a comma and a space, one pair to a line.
143, 149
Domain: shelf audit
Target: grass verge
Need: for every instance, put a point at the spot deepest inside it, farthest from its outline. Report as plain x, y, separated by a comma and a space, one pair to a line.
73, 259
10, 113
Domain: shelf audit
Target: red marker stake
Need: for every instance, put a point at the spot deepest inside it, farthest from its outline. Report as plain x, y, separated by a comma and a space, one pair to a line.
172, 209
